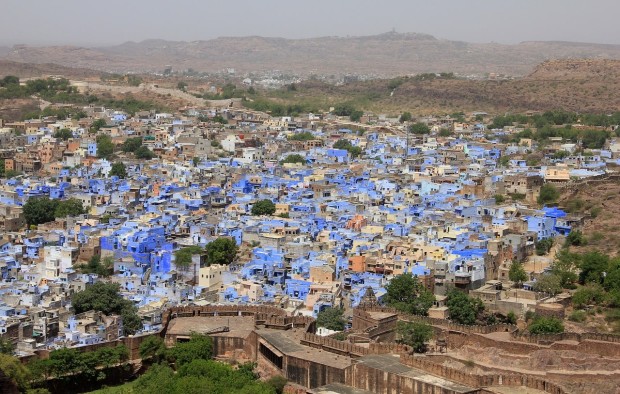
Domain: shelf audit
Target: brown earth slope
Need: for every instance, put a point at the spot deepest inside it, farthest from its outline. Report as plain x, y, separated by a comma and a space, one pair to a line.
599, 202
574, 85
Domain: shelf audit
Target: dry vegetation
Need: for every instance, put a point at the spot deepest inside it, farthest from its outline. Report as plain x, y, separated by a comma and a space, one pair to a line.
599, 201
573, 85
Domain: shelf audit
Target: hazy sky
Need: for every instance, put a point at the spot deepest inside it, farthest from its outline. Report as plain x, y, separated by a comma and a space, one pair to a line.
89, 22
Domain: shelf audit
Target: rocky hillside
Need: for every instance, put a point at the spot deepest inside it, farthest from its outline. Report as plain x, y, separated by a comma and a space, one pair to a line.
574, 85
31, 70
384, 55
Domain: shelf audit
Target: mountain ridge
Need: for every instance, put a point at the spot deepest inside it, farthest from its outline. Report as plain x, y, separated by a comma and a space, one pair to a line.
383, 55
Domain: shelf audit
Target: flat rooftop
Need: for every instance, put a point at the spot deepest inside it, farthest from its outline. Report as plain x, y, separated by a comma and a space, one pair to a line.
240, 326
392, 364
338, 388
288, 342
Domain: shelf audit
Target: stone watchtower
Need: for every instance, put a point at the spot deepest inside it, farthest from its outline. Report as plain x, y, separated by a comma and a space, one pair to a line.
369, 299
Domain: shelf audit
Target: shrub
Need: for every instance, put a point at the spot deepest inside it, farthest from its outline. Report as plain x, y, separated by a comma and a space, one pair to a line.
546, 325
578, 316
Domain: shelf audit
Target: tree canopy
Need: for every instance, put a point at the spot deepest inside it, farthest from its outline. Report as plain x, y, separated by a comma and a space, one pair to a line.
17, 373
415, 334
405, 117
63, 134
294, 158
106, 297
405, 293
118, 169
39, 210
144, 153
303, 136
105, 147
419, 128
462, 308
548, 194
331, 318
517, 273
69, 207
98, 266
221, 251
131, 144
546, 325
263, 207
183, 256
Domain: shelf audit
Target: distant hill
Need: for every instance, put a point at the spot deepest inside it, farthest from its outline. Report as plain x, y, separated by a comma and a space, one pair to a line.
30, 70
581, 85
383, 55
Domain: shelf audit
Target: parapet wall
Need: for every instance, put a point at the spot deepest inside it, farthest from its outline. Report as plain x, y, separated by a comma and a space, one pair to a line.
474, 380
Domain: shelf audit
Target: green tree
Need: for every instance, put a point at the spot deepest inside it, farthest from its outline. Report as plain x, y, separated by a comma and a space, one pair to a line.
195, 161
419, 128
183, 256
590, 294
546, 325
612, 275
263, 207
278, 383
345, 144
9, 80
294, 158
152, 348
131, 144
415, 334
462, 308
63, 134
565, 267
39, 210
133, 80
343, 109
97, 125
516, 273
220, 119
118, 169
548, 194
144, 153
405, 117
549, 283
16, 372
199, 347
182, 85
575, 238
99, 267
69, 207
356, 115
406, 294
499, 199
355, 151
221, 251
593, 265
445, 132
342, 144
106, 297
303, 136
331, 318
543, 246
6, 346
105, 147
11, 174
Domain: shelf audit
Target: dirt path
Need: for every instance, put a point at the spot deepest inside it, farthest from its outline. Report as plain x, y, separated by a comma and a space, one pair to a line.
176, 93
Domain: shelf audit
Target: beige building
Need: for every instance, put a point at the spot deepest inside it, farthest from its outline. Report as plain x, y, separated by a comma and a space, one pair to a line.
211, 277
